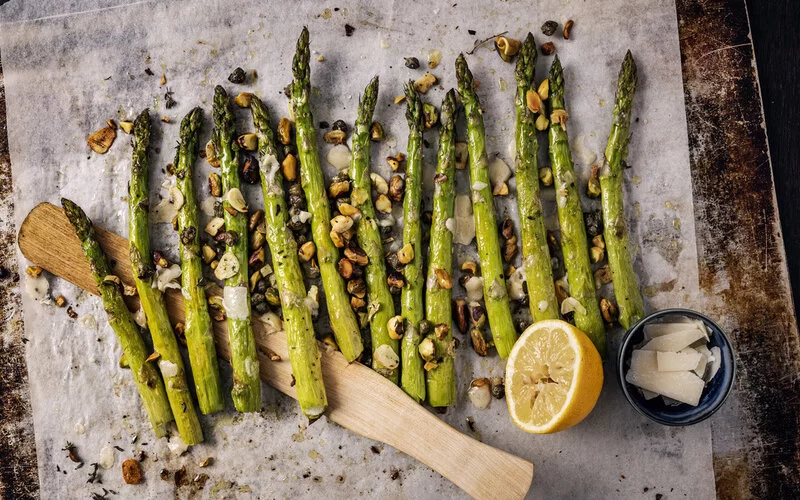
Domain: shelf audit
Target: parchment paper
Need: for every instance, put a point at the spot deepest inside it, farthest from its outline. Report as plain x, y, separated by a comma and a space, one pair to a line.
69, 68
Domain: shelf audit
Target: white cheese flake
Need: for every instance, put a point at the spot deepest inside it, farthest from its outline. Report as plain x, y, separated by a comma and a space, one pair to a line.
234, 300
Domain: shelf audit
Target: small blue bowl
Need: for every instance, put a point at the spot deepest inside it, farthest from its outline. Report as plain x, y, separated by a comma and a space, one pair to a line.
715, 393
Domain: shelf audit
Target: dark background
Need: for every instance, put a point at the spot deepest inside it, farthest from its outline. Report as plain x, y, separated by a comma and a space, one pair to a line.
776, 38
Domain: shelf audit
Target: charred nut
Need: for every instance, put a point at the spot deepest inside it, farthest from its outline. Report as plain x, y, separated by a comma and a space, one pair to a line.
395, 281
507, 228
346, 268
608, 310
396, 327
548, 48
248, 142
306, 251
478, 341
546, 176
498, 387
477, 314
284, 131
596, 254
393, 162
257, 259
357, 303
510, 249
159, 260
427, 349
243, 99
405, 254
376, 132
337, 239
460, 313
289, 168
335, 136
341, 223
356, 255
273, 296
441, 330
425, 327
250, 170
533, 101
214, 185
568, 28
561, 292
396, 187
411, 62
255, 219
424, 84
470, 267
443, 278
383, 204
357, 287
602, 276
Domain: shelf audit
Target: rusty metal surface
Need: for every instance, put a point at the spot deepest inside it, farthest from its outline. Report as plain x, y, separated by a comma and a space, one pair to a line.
742, 261
18, 471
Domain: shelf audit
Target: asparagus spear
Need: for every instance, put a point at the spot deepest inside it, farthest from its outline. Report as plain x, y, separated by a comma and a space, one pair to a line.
570, 217
494, 283
199, 335
440, 379
147, 378
246, 391
535, 253
412, 378
170, 362
626, 289
369, 237
303, 351
343, 320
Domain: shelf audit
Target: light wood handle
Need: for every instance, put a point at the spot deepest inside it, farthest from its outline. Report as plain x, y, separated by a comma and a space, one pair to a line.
358, 398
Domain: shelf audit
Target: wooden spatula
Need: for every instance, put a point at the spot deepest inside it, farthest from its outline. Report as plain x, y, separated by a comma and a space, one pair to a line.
359, 399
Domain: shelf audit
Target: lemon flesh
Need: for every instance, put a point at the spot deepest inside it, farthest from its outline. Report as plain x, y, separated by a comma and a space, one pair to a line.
553, 377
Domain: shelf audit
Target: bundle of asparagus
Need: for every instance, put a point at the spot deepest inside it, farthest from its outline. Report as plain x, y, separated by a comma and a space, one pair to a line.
164, 342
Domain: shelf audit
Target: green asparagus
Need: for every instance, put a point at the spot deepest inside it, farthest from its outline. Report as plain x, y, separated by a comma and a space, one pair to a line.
379, 297
440, 379
535, 253
494, 283
412, 374
199, 335
626, 289
169, 361
146, 376
297, 322
570, 217
232, 268
343, 320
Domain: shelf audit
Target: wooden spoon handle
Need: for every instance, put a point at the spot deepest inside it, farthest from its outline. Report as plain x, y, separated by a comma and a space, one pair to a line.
358, 398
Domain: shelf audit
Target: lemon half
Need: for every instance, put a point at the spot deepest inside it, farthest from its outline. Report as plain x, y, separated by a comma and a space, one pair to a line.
553, 377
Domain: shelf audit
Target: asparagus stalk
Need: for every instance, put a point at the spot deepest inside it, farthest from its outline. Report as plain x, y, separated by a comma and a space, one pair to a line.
494, 283
343, 320
246, 391
570, 217
535, 253
440, 379
412, 374
146, 376
297, 322
626, 289
369, 238
199, 335
169, 361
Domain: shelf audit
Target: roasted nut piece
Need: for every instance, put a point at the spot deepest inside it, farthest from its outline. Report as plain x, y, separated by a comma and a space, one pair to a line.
510, 248
335, 136
34, 271
346, 268
357, 303
561, 292
289, 168
348, 210
131, 472
237, 76
399, 99
425, 327
341, 223
602, 276
273, 296
214, 185
379, 183
477, 314
376, 132
498, 387
405, 254
61, 301
594, 222
383, 204
424, 84
533, 101
250, 170
395, 281
393, 261
211, 154
337, 239
541, 124
255, 278
443, 278
507, 48
568, 28
396, 327
441, 330
340, 125
593, 186
411, 62
507, 228
548, 48
549, 28
257, 259
396, 187
430, 365
427, 350
546, 176
208, 254
609, 311
560, 116
393, 162
356, 254
248, 142
101, 140
357, 287
596, 254
431, 115
306, 251
126, 127
243, 99
159, 260
470, 267
500, 189
598, 241
460, 314
544, 89
284, 131
255, 219
339, 188
478, 341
